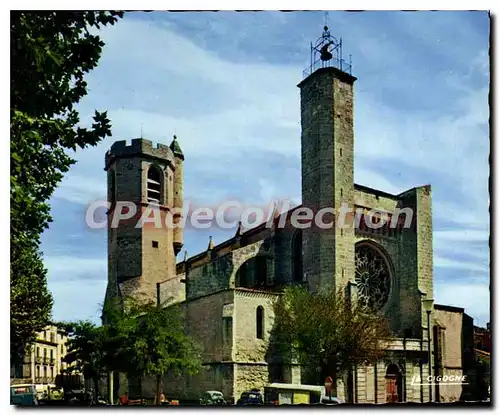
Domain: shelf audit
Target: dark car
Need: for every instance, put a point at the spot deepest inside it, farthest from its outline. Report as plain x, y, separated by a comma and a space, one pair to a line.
330, 400
213, 398
251, 397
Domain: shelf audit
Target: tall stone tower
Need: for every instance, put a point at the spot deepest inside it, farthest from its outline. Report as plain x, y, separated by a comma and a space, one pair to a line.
142, 253
326, 98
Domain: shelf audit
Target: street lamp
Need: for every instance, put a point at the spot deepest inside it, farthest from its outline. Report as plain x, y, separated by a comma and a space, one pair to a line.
428, 305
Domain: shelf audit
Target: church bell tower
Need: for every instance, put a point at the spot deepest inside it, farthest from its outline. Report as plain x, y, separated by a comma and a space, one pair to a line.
326, 103
141, 253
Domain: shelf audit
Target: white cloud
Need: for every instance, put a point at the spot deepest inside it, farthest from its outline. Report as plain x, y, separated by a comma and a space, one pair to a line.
474, 297
65, 268
75, 300
440, 262
467, 235
82, 190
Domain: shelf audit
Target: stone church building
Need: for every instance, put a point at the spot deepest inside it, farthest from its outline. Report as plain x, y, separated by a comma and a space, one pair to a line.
228, 291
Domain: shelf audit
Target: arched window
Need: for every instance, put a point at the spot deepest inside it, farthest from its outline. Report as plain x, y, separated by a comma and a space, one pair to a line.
260, 322
154, 185
112, 187
297, 272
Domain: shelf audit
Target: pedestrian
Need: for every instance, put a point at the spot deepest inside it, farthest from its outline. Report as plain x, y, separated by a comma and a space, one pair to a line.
163, 400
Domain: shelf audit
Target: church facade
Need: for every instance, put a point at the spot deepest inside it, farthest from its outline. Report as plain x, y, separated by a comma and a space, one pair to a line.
228, 291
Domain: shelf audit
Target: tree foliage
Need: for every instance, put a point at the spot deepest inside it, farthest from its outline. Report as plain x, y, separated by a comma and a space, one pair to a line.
50, 54
155, 342
138, 338
86, 350
326, 333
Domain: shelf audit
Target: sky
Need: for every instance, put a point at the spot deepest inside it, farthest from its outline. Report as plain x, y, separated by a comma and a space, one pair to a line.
225, 84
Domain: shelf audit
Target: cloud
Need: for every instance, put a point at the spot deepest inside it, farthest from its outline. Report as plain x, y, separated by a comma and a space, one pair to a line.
440, 262
71, 268
468, 235
421, 116
77, 300
474, 297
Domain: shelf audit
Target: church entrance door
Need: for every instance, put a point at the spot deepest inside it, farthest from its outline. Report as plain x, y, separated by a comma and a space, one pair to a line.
393, 384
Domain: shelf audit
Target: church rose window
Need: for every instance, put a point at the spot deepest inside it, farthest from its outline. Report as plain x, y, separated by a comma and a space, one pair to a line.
373, 277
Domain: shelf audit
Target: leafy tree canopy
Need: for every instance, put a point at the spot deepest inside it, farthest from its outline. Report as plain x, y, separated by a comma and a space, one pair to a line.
326, 332
156, 343
50, 54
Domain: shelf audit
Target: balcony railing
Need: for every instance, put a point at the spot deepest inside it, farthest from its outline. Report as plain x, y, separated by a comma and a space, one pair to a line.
44, 380
52, 361
46, 360
38, 359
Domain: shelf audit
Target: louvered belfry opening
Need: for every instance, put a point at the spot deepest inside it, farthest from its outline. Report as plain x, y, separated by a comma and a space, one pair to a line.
154, 185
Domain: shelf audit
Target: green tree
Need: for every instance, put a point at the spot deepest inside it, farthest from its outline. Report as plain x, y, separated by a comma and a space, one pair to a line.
86, 350
156, 343
50, 54
326, 332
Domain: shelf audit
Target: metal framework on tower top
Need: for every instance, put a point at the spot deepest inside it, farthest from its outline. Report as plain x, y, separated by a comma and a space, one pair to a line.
327, 52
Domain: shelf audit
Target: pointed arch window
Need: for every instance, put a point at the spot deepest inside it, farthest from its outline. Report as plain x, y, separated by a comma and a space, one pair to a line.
297, 271
260, 322
154, 185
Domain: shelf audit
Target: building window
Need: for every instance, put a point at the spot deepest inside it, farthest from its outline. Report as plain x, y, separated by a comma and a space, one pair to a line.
155, 244
52, 338
154, 185
45, 371
51, 354
242, 279
277, 373
227, 329
44, 353
37, 352
52, 372
38, 371
373, 276
261, 271
297, 272
260, 322
112, 187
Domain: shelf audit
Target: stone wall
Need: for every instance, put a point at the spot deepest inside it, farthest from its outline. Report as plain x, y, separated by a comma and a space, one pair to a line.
247, 347
210, 277
211, 326
250, 376
173, 290
373, 200
371, 388
327, 173
452, 348
140, 256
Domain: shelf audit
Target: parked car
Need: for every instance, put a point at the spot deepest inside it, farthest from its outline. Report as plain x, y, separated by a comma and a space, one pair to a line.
23, 395
251, 397
212, 398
